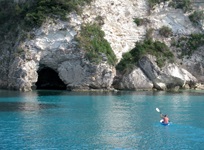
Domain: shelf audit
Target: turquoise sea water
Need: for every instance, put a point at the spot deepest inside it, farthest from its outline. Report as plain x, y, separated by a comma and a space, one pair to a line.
60, 120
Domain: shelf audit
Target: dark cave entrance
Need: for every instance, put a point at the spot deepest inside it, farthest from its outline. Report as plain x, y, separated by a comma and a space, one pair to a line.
49, 79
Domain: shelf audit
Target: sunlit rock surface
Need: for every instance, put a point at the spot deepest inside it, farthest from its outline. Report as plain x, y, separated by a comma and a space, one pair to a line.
53, 45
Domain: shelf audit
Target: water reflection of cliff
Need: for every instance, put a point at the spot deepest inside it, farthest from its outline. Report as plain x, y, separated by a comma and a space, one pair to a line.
23, 106
17, 101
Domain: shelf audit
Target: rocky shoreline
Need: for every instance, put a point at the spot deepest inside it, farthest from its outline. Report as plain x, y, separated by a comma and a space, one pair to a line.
54, 46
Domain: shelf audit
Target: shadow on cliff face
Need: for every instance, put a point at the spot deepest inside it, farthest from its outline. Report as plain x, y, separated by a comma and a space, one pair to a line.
49, 79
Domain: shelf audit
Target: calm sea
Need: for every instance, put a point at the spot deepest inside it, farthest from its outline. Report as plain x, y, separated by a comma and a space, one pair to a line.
61, 120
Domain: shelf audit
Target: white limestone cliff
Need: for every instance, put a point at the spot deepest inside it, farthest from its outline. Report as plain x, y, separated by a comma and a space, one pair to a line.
135, 80
118, 15
53, 45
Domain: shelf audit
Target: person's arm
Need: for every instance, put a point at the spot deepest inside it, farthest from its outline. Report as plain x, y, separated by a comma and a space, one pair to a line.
161, 115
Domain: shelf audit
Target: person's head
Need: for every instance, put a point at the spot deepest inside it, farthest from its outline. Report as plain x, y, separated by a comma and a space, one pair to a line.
165, 115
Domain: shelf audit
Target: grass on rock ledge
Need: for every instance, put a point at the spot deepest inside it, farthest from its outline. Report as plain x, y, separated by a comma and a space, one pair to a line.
156, 48
92, 40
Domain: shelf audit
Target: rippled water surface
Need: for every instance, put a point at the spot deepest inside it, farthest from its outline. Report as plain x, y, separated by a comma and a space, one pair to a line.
87, 121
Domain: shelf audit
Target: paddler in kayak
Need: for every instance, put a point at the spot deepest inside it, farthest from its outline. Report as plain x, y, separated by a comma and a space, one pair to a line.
165, 118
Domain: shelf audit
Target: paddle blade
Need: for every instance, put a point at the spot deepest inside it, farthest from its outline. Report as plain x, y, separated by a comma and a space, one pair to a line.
157, 109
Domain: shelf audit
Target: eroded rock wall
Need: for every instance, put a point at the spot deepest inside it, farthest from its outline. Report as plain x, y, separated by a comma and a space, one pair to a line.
53, 45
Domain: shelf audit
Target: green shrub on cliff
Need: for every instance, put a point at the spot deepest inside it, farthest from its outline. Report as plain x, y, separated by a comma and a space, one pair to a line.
156, 48
152, 3
52, 8
197, 17
91, 39
141, 21
190, 44
165, 31
34, 13
185, 5
9, 14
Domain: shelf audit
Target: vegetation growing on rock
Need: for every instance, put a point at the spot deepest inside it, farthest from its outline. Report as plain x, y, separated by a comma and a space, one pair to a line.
92, 40
165, 31
33, 13
52, 8
197, 17
152, 3
141, 21
185, 5
190, 43
156, 48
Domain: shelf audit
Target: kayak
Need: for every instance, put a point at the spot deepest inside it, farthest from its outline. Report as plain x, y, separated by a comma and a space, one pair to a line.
164, 124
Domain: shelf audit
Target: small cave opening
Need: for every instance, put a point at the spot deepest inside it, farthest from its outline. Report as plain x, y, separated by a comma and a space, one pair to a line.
48, 79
